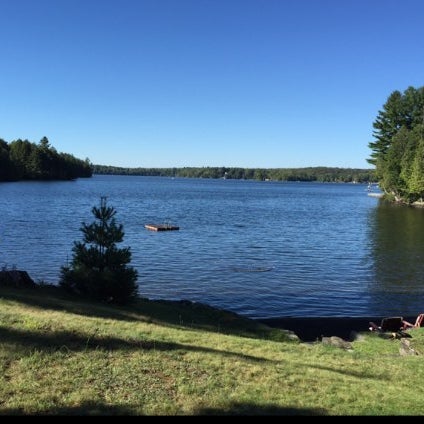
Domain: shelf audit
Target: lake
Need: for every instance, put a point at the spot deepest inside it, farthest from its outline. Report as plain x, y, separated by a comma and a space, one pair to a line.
261, 249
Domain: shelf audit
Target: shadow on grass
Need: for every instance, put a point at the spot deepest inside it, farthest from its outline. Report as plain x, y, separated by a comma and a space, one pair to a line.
360, 374
52, 297
249, 409
86, 408
175, 314
241, 409
66, 341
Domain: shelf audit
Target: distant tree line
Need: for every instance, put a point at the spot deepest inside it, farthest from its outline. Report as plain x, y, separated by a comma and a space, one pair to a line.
25, 160
398, 149
319, 174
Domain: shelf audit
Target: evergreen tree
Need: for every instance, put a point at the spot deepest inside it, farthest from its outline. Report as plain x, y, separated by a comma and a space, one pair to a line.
386, 125
7, 169
397, 152
416, 180
99, 268
401, 110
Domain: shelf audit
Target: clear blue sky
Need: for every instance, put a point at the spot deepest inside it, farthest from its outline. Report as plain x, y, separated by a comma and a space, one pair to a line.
173, 83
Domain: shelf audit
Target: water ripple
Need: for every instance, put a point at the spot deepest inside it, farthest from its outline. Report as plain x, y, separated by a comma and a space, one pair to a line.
259, 249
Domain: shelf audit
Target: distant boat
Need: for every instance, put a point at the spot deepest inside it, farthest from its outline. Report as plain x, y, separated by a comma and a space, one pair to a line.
371, 187
378, 195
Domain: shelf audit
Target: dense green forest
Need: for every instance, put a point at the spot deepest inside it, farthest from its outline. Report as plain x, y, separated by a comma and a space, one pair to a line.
398, 149
319, 174
25, 160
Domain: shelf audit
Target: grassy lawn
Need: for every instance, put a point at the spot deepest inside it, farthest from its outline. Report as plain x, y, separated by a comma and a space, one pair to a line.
60, 355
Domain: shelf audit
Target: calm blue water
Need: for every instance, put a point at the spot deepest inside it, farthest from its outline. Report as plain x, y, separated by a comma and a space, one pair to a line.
261, 249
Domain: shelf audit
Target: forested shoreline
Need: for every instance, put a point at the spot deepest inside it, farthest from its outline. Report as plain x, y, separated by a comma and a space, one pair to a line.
318, 174
25, 160
398, 149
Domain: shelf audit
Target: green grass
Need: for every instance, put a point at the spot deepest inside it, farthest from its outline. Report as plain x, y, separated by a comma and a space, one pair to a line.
64, 356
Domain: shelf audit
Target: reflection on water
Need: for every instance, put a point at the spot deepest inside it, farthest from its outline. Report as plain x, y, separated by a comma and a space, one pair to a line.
396, 234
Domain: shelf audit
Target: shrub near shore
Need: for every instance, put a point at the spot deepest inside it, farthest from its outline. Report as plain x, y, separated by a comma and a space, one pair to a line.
62, 355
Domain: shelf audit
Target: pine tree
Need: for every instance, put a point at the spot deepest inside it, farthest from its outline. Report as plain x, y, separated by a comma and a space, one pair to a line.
416, 181
397, 152
99, 269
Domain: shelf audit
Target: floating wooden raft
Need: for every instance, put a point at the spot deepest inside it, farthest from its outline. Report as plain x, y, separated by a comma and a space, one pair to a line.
161, 227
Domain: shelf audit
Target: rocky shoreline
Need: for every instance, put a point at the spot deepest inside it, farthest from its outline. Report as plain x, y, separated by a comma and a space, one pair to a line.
314, 328
307, 329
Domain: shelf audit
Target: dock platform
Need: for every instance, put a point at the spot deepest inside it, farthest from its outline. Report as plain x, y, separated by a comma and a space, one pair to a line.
161, 227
